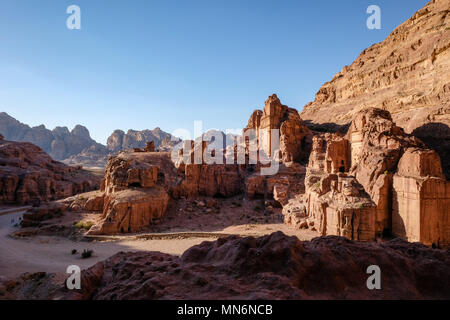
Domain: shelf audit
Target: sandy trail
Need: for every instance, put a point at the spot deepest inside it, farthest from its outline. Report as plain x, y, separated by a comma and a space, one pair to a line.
53, 253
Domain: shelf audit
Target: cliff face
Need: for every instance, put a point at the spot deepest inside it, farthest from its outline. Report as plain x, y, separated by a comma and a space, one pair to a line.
120, 140
76, 147
28, 175
59, 143
407, 74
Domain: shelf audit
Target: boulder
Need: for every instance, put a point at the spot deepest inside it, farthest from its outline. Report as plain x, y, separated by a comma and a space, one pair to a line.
132, 210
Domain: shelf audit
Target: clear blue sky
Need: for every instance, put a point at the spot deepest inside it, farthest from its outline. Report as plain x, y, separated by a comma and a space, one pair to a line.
140, 64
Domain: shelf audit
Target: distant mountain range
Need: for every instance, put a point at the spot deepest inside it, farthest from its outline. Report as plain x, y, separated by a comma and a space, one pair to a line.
76, 147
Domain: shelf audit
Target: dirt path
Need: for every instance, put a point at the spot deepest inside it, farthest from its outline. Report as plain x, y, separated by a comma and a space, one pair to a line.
53, 254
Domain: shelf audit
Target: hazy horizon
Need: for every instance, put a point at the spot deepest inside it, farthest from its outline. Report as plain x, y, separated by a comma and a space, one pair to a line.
145, 64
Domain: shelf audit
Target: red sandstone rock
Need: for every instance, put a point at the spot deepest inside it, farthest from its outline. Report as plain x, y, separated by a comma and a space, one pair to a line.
136, 192
271, 267
212, 180
406, 75
132, 210
294, 135
35, 216
28, 175
373, 181
421, 199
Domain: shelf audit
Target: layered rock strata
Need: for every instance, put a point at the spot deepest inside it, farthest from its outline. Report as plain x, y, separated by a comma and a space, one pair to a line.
30, 176
373, 181
406, 75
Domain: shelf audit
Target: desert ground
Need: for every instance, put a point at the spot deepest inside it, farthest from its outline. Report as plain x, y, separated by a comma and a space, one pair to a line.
49, 249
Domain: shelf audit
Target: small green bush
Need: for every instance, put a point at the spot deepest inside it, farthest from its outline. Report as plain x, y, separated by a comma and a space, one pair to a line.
74, 251
84, 225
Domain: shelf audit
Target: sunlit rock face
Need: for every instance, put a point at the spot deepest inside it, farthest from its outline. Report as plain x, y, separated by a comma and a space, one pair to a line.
421, 199
373, 181
294, 136
406, 75
135, 190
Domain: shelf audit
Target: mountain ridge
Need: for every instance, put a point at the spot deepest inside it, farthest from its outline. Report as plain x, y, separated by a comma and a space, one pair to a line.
76, 147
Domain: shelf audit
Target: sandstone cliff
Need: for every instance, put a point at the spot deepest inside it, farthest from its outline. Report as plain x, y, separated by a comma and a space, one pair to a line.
120, 140
407, 74
28, 175
374, 181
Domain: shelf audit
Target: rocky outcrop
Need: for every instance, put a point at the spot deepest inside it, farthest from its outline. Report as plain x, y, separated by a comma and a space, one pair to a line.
295, 137
205, 173
29, 176
421, 199
302, 270
120, 140
406, 74
377, 144
271, 267
334, 203
212, 180
373, 181
288, 182
139, 184
135, 192
132, 210
34, 216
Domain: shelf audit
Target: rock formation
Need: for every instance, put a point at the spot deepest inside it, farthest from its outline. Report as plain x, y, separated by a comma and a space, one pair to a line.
270, 267
373, 181
94, 156
60, 143
135, 191
76, 147
294, 135
28, 176
120, 140
406, 74
138, 186
421, 199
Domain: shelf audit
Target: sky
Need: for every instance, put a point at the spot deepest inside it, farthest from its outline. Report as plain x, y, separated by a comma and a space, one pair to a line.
141, 64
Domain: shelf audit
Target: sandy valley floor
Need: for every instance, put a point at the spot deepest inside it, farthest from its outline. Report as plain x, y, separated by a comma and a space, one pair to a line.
184, 226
